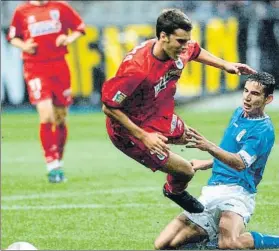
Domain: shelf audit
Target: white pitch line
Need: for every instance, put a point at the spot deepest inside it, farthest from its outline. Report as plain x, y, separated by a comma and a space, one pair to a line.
80, 193
85, 206
99, 206
54, 195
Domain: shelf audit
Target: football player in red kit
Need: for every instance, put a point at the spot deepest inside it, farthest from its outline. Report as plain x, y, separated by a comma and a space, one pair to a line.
40, 30
139, 102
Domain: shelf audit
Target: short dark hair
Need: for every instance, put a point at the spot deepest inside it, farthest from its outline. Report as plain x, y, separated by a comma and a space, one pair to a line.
172, 19
265, 79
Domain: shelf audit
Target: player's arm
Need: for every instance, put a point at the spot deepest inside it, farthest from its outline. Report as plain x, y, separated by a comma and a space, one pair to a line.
155, 142
114, 94
15, 34
198, 164
28, 46
64, 40
73, 21
121, 117
233, 160
207, 58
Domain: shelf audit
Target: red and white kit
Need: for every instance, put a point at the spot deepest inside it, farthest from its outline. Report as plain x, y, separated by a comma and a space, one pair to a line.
46, 72
144, 89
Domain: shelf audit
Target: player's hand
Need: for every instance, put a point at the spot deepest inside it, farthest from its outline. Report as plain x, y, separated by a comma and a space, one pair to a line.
201, 164
62, 40
183, 140
155, 142
238, 68
30, 46
198, 141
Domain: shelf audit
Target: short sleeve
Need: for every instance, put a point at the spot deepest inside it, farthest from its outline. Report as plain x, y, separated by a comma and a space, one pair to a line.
251, 150
117, 89
73, 19
195, 50
15, 29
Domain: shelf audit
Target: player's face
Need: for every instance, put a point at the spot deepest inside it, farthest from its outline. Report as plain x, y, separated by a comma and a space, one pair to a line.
254, 99
176, 43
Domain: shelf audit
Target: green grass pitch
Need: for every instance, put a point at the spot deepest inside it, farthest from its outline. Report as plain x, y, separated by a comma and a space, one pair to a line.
109, 202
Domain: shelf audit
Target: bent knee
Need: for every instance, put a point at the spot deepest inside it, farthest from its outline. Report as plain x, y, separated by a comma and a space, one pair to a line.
188, 173
60, 115
60, 120
191, 172
166, 245
160, 244
46, 117
45, 110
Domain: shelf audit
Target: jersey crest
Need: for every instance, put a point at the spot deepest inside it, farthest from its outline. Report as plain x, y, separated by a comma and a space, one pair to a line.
179, 64
54, 14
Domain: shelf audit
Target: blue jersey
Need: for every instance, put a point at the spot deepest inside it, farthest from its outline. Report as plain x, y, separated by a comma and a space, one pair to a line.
252, 139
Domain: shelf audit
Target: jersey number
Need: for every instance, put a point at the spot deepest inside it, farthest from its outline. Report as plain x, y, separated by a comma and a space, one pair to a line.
35, 86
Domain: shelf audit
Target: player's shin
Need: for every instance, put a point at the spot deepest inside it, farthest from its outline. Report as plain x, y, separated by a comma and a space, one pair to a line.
264, 241
61, 134
48, 142
174, 190
175, 185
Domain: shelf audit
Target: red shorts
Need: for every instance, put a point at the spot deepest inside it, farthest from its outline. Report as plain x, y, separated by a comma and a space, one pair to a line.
135, 149
49, 80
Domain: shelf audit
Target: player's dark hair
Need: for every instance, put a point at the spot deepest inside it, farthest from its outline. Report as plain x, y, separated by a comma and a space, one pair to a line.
172, 19
265, 79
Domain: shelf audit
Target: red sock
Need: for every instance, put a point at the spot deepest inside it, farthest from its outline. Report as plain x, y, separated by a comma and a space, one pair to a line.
48, 142
61, 134
175, 185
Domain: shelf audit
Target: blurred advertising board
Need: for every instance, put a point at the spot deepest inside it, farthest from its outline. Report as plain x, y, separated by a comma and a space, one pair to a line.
97, 55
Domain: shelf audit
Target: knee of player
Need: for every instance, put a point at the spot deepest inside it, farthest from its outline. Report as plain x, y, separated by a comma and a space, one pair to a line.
46, 117
60, 117
160, 244
60, 120
189, 172
164, 243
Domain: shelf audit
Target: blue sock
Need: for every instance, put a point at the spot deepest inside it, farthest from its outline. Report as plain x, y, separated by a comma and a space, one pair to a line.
264, 241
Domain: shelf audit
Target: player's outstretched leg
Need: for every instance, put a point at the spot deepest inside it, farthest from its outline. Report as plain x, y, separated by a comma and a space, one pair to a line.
50, 151
174, 189
184, 200
179, 173
60, 134
264, 241
49, 142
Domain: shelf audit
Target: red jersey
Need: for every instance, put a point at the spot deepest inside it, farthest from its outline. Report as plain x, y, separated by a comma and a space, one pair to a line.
144, 86
44, 23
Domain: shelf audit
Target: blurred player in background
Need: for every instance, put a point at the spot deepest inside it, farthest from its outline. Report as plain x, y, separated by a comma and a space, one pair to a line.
237, 169
41, 30
139, 102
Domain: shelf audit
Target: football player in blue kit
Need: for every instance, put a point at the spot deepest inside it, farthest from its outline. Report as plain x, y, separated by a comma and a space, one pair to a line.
237, 169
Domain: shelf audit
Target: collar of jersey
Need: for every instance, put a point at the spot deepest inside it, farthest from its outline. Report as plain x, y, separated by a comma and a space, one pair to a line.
265, 116
155, 56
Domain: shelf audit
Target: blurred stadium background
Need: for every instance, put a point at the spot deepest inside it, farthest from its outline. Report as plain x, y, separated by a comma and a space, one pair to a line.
244, 31
111, 202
